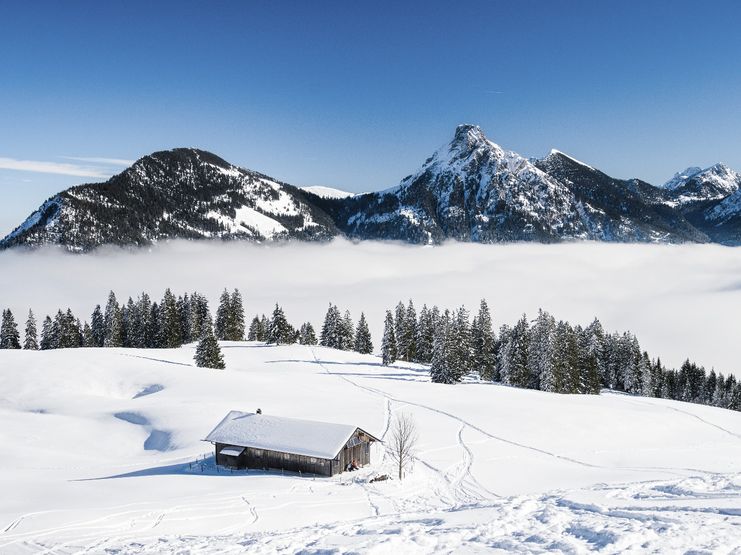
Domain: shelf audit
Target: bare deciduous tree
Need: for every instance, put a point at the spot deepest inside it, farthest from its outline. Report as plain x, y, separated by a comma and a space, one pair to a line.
402, 442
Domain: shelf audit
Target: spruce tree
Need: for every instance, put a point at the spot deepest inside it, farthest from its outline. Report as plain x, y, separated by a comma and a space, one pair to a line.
279, 331
410, 332
208, 353
482, 343
170, 321
31, 341
347, 333
363, 342
222, 316
540, 355
307, 336
388, 342
46, 334
87, 336
112, 317
440, 367
235, 327
97, 327
402, 338
254, 333
9, 336
425, 333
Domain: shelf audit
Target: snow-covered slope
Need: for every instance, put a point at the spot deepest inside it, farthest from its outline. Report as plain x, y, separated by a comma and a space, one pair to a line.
181, 193
101, 452
327, 192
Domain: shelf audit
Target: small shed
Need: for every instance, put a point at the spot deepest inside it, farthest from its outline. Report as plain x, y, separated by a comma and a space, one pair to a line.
256, 440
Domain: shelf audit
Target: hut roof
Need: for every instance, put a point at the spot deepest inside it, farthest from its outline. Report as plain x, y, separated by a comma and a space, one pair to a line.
286, 435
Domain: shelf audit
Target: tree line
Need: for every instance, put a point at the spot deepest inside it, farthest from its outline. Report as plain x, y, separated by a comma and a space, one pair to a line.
543, 354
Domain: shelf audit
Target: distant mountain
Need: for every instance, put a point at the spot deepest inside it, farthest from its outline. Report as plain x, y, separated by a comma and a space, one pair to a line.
181, 193
470, 189
473, 190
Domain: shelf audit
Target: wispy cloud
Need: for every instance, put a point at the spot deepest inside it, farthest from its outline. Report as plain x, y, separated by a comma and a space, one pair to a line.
38, 166
104, 161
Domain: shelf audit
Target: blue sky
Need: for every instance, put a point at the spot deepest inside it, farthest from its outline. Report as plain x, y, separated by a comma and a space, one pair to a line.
356, 95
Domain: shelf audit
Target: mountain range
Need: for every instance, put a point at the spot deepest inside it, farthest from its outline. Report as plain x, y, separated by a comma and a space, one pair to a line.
470, 189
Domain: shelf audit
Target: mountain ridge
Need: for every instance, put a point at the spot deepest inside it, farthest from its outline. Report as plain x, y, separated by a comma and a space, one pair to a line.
469, 189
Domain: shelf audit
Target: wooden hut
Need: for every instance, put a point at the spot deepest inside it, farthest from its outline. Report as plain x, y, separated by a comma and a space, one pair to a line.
256, 440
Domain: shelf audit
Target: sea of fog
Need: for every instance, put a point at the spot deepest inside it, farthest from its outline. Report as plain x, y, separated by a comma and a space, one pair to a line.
681, 301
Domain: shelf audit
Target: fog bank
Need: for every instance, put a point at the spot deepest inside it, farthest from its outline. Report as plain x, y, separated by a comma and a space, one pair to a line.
681, 301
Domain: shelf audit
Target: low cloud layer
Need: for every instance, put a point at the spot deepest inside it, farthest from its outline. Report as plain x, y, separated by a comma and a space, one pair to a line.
681, 301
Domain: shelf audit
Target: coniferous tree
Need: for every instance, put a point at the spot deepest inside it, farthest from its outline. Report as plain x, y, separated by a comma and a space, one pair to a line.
9, 336
97, 326
410, 332
400, 331
307, 336
235, 326
346, 333
279, 331
459, 352
170, 325
331, 335
482, 343
221, 328
46, 334
515, 368
363, 342
255, 332
112, 323
540, 355
425, 334
441, 370
31, 342
208, 353
87, 336
388, 342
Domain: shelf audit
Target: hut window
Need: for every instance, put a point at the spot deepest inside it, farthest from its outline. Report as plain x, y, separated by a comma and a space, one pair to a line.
286, 456
312, 460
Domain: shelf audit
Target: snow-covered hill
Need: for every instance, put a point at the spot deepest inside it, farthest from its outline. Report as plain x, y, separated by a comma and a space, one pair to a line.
182, 193
101, 452
327, 192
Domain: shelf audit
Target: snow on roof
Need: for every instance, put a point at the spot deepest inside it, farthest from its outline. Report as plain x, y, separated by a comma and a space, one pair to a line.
231, 451
277, 433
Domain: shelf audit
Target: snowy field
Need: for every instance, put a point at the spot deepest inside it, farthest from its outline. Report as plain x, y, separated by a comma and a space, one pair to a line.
681, 301
101, 453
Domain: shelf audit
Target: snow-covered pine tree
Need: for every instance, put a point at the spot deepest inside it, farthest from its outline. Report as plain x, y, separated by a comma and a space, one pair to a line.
307, 336
186, 318
222, 315
330, 335
400, 331
647, 378
46, 334
9, 336
235, 330
440, 367
410, 332
709, 388
588, 362
87, 336
170, 321
482, 343
540, 357
31, 341
112, 323
517, 371
425, 332
279, 331
346, 332
460, 345
208, 353
363, 342
388, 342
97, 326
254, 334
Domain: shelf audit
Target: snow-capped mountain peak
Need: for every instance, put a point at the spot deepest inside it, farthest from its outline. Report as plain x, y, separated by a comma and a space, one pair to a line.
680, 178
